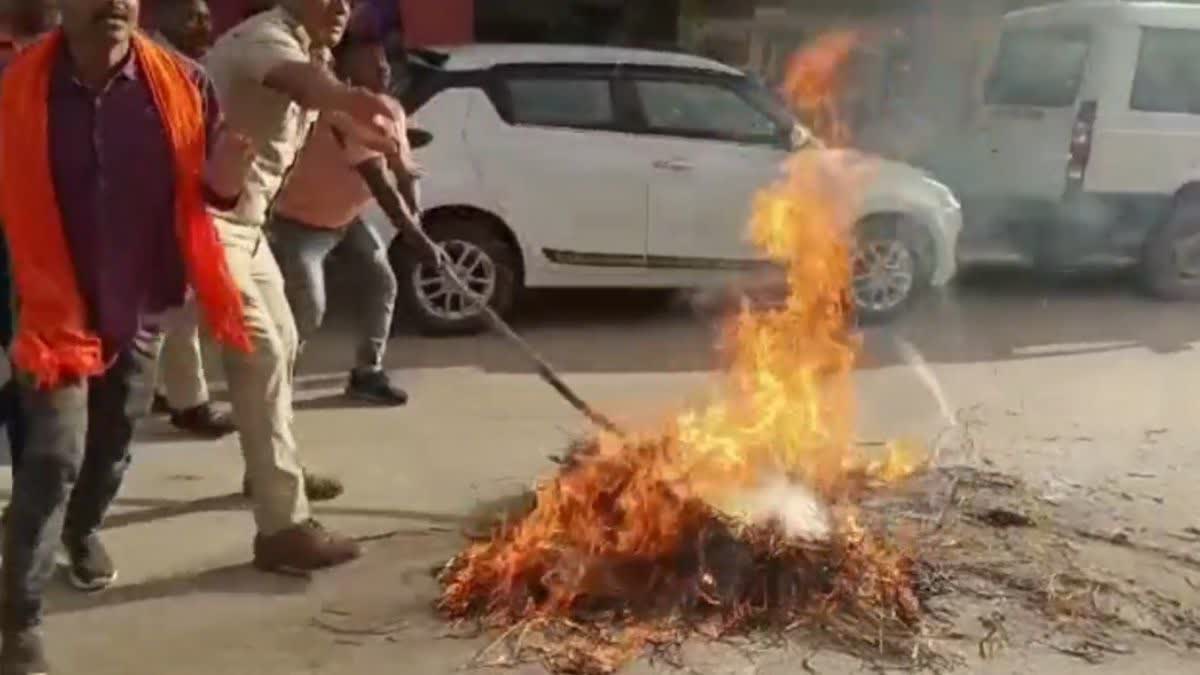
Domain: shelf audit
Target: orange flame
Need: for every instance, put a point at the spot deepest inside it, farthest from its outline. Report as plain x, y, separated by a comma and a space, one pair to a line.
625, 521
788, 407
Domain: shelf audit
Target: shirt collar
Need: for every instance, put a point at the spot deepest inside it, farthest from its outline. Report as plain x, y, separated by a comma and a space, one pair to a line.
128, 70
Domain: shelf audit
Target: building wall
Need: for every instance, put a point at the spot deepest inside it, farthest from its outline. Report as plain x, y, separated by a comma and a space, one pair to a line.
438, 22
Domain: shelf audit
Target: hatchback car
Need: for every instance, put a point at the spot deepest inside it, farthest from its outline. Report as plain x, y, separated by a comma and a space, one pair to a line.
568, 167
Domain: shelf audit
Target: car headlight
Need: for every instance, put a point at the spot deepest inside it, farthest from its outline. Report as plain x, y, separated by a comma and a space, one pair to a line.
944, 194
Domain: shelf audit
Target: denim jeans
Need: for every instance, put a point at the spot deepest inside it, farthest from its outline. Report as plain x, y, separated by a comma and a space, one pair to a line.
302, 249
76, 454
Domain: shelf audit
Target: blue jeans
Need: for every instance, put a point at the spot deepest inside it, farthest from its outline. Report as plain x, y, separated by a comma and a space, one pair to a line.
301, 251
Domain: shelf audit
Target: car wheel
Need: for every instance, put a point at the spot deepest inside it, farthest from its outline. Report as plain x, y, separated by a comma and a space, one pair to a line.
1171, 258
890, 266
485, 263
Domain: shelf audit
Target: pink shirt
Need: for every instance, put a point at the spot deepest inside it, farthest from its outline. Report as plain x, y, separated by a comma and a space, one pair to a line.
323, 188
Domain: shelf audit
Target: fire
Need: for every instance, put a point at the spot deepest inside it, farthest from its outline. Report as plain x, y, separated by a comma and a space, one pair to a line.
743, 506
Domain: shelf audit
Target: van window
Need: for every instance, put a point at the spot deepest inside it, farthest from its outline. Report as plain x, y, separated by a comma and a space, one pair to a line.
1041, 67
1168, 72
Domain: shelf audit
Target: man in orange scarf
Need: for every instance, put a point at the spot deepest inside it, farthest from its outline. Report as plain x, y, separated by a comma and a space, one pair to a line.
103, 142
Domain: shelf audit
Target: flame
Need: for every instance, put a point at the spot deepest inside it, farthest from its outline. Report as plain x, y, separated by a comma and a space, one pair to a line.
631, 523
788, 406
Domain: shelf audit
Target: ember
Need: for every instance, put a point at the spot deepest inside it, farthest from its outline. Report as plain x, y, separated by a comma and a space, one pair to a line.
741, 514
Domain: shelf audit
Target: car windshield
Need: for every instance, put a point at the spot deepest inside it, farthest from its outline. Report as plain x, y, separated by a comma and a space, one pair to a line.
1041, 67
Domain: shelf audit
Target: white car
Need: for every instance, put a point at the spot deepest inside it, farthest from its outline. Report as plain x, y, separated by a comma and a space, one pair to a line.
559, 166
1085, 149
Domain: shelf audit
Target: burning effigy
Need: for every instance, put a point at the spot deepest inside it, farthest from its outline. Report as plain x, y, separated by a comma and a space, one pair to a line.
741, 513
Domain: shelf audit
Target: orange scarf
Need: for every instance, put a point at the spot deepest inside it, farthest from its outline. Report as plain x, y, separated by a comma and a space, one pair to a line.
53, 342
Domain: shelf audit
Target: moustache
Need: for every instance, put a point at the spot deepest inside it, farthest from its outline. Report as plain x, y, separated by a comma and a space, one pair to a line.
118, 11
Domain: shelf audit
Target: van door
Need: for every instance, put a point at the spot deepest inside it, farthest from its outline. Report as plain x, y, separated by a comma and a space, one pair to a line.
1030, 105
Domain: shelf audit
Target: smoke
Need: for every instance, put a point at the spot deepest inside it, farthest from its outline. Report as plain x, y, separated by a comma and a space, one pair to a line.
793, 506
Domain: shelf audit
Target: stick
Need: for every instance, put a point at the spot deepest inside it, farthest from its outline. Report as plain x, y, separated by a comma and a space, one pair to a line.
405, 221
543, 368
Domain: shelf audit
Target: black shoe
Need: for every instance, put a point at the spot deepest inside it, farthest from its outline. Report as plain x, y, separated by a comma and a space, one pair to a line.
90, 567
317, 488
205, 421
160, 406
22, 653
373, 386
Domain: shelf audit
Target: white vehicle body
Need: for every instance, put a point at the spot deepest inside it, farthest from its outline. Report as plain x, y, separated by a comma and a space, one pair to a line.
1088, 126
538, 141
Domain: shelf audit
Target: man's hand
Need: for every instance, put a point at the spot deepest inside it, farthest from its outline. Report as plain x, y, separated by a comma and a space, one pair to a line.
229, 163
369, 119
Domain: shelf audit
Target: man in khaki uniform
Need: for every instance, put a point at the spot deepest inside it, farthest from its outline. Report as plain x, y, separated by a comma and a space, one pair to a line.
272, 78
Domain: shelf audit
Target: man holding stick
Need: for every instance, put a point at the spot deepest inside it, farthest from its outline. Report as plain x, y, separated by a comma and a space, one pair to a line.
272, 77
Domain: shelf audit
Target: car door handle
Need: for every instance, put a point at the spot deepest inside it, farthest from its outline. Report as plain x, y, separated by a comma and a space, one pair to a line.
673, 165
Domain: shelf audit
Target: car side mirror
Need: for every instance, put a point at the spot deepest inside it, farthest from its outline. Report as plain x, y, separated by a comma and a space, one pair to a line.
418, 138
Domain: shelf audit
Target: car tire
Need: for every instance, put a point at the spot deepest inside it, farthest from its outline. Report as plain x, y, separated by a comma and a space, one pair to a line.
891, 266
1161, 274
418, 301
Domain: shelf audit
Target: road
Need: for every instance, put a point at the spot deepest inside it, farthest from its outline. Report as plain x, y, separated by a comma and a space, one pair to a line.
1082, 384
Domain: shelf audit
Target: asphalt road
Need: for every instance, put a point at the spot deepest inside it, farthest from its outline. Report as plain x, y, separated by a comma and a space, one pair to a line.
1083, 388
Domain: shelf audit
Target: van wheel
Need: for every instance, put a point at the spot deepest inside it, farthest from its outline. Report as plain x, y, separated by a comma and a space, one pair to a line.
1171, 258
487, 265
891, 267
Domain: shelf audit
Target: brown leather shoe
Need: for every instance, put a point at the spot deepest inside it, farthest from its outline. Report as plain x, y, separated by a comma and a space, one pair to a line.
303, 548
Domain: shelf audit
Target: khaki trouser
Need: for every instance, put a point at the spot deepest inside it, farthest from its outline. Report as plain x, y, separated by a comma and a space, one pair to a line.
260, 383
181, 365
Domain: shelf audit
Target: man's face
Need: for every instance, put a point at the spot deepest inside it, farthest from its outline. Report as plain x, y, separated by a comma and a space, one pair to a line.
107, 20
325, 20
190, 28
366, 66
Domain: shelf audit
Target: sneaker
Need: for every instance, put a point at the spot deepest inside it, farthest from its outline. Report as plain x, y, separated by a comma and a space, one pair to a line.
205, 421
22, 653
303, 548
317, 488
89, 566
374, 386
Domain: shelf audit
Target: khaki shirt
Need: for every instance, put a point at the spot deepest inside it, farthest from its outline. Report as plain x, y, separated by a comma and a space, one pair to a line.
237, 64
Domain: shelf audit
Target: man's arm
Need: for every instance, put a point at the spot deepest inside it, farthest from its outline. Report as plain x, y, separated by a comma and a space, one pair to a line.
277, 61
228, 154
373, 174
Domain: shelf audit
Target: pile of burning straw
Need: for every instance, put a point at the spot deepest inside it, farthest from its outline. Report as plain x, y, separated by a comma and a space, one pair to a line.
742, 514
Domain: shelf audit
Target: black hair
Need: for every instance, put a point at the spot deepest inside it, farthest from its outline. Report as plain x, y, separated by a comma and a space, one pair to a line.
355, 38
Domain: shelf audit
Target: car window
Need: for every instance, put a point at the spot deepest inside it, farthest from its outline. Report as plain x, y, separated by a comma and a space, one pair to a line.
703, 109
1041, 67
1168, 72
561, 101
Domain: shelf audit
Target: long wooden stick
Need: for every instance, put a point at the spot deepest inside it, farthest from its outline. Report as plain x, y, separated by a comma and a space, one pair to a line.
498, 324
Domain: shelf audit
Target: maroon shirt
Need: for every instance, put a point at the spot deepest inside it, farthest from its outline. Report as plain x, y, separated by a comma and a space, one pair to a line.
114, 177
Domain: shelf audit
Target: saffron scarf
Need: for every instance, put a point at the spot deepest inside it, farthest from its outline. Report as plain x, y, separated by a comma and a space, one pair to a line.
53, 341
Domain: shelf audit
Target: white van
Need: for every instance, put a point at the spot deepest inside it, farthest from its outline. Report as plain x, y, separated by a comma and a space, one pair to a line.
1085, 147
